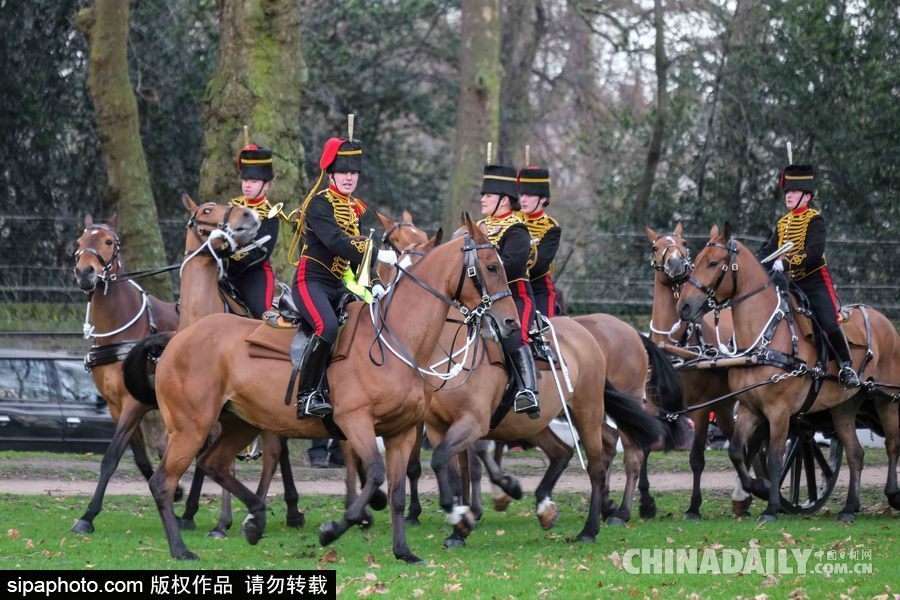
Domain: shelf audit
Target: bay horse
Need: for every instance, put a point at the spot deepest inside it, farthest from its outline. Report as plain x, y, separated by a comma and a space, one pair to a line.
461, 412
726, 271
119, 314
208, 366
671, 261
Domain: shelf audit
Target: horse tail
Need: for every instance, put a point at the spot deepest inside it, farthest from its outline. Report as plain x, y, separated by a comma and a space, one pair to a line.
664, 381
665, 387
643, 428
138, 380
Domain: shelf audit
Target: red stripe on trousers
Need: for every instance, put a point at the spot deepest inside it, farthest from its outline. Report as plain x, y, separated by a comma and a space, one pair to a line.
551, 298
270, 283
834, 300
307, 299
526, 310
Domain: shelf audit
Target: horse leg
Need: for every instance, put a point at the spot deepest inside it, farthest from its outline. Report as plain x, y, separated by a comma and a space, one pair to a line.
462, 433
593, 447
779, 420
744, 427
558, 454
610, 440
220, 531
740, 499
295, 517
356, 470
397, 452
890, 422
505, 488
634, 459
698, 462
360, 432
126, 428
844, 418
414, 473
218, 462
192, 504
648, 504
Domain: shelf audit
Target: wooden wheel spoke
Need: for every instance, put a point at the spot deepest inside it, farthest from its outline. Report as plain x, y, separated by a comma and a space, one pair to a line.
810, 468
827, 471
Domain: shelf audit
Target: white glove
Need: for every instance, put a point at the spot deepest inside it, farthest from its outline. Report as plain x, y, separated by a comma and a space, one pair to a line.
778, 265
387, 256
379, 291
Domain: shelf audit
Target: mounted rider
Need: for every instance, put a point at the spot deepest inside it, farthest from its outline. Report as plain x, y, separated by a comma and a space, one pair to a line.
534, 197
332, 246
251, 272
804, 225
507, 231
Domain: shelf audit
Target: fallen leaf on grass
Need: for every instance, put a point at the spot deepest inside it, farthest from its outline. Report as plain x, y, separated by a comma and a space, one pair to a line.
754, 543
788, 538
29, 545
501, 532
582, 568
330, 557
418, 593
452, 587
837, 545
770, 581
714, 546
616, 559
669, 540
760, 597
12, 533
372, 577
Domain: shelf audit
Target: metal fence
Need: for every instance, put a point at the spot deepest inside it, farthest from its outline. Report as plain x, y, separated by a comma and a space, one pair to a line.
36, 258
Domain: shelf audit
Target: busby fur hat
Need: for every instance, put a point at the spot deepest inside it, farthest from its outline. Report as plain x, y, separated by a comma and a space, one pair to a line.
535, 181
341, 156
798, 177
255, 162
501, 180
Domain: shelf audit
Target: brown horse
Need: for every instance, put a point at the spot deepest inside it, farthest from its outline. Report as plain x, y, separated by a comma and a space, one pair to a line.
120, 314
208, 365
726, 270
671, 259
460, 413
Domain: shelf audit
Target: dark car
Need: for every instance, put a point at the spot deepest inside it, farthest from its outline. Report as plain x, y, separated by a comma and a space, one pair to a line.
49, 402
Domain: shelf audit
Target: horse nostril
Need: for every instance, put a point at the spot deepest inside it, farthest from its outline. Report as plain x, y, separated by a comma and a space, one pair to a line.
509, 324
684, 311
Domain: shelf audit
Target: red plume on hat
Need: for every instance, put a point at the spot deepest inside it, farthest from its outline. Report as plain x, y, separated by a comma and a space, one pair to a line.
329, 152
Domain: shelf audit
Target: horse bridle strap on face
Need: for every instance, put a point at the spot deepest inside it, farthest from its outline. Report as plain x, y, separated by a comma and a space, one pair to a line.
730, 265
107, 264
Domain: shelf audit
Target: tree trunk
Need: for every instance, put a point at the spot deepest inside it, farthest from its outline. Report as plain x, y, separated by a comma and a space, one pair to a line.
478, 115
654, 151
524, 24
257, 82
105, 25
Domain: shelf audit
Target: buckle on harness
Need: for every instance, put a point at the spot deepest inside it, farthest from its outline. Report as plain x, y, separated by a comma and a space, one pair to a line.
471, 273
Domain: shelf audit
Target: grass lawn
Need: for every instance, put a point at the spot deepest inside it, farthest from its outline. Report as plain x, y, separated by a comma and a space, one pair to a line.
507, 556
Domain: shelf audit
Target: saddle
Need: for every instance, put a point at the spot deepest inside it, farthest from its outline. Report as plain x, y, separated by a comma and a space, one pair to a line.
854, 328
495, 355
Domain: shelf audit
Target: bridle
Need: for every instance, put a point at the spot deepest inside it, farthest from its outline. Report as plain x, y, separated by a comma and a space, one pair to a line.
660, 265
108, 265
386, 240
729, 265
216, 230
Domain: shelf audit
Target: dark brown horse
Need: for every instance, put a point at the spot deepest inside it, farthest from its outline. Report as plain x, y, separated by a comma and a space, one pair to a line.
208, 365
120, 314
671, 259
726, 270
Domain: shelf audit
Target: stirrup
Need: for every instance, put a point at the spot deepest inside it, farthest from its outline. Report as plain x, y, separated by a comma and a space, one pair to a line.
314, 405
848, 378
526, 402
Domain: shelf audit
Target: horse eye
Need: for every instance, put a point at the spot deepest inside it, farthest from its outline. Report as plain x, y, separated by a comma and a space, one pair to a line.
713, 263
206, 211
109, 242
492, 268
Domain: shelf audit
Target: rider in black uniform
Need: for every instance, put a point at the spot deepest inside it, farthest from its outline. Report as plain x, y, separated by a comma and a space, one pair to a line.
805, 227
534, 196
251, 272
507, 231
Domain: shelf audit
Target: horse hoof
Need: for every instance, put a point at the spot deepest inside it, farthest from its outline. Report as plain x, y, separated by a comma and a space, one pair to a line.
648, 511
252, 530
500, 503
742, 515
328, 532
466, 525
586, 538
454, 542
185, 555
616, 522
179, 493
186, 525
413, 521
379, 500
894, 500
410, 558
511, 486
478, 514
82, 526
692, 516
547, 514
609, 510
217, 534
846, 517
764, 518
367, 520
296, 521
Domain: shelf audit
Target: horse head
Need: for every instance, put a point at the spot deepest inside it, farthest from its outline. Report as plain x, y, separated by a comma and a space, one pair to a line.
669, 256
223, 227
97, 256
714, 278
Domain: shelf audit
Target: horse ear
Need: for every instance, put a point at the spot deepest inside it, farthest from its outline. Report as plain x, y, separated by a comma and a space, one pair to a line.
727, 231
88, 221
187, 202
714, 232
467, 223
651, 235
438, 236
386, 222
407, 217
678, 229
114, 220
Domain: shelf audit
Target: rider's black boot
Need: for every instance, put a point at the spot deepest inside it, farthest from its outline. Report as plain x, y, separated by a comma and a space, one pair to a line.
526, 400
846, 375
312, 401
